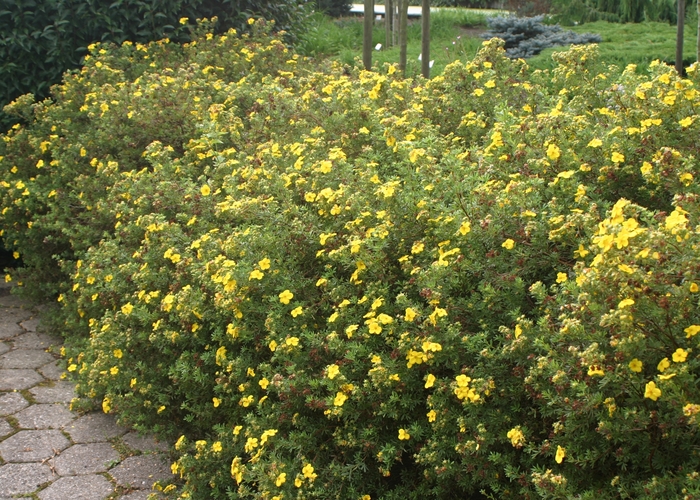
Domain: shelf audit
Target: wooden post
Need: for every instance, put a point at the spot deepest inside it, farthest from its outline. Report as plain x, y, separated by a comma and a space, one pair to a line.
679, 37
389, 22
425, 39
367, 38
403, 35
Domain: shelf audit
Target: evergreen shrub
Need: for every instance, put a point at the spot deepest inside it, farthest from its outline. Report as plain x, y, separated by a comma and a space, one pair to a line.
528, 36
323, 282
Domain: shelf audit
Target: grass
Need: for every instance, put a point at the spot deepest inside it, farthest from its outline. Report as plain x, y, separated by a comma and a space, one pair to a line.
625, 44
341, 39
454, 35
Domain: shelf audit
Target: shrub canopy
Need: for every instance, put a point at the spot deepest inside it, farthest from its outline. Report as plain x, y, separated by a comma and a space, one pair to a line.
333, 283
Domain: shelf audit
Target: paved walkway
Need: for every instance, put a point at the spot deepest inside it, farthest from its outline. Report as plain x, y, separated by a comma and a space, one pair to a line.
48, 452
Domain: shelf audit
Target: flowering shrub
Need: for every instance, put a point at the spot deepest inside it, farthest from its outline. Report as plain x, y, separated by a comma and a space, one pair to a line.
333, 283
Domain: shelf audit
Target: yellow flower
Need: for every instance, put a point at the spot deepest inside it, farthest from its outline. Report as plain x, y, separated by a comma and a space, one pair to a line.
333, 371
595, 143
106, 404
264, 383
272, 345
432, 416
663, 364
561, 277
693, 288
516, 436
340, 399
508, 244
651, 391
624, 303
430, 381
286, 296
256, 275
292, 341
595, 370
692, 330
114, 370
297, 311
635, 365
216, 447
205, 190
676, 218
216, 402
264, 264
183, 20
679, 356
465, 227
410, 314
404, 435
127, 308
251, 444
118, 353
72, 367
686, 122
561, 454
617, 157
553, 152
417, 247
308, 472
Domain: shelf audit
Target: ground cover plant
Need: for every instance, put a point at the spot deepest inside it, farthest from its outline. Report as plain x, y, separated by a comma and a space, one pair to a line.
323, 282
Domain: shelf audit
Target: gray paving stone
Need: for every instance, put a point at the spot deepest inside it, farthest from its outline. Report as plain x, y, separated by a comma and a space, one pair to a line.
4, 347
94, 428
11, 380
82, 459
33, 446
32, 340
25, 358
9, 321
18, 479
59, 392
144, 443
5, 428
52, 371
141, 471
31, 325
12, 402
13, 301
53, 416
78, 488
139, 495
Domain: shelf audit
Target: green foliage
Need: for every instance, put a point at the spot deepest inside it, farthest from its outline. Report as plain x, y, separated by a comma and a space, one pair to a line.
620, 11
39, 41
333, 8
333, 283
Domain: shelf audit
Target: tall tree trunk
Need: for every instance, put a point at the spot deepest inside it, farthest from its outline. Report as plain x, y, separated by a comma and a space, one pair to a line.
389, 22
403, 36
425, 39
367, 39
679, 36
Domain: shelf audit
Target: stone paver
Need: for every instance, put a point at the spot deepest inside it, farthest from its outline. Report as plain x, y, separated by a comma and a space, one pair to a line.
86, 459
78, 488
33, 446
94, 428
25, 358
144, 444
12, 402
32, 340
16, 380
52, 371
41, 416
5, 428
30, 325
37, 457
60, 392
17, 479
9, 326
141, 471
